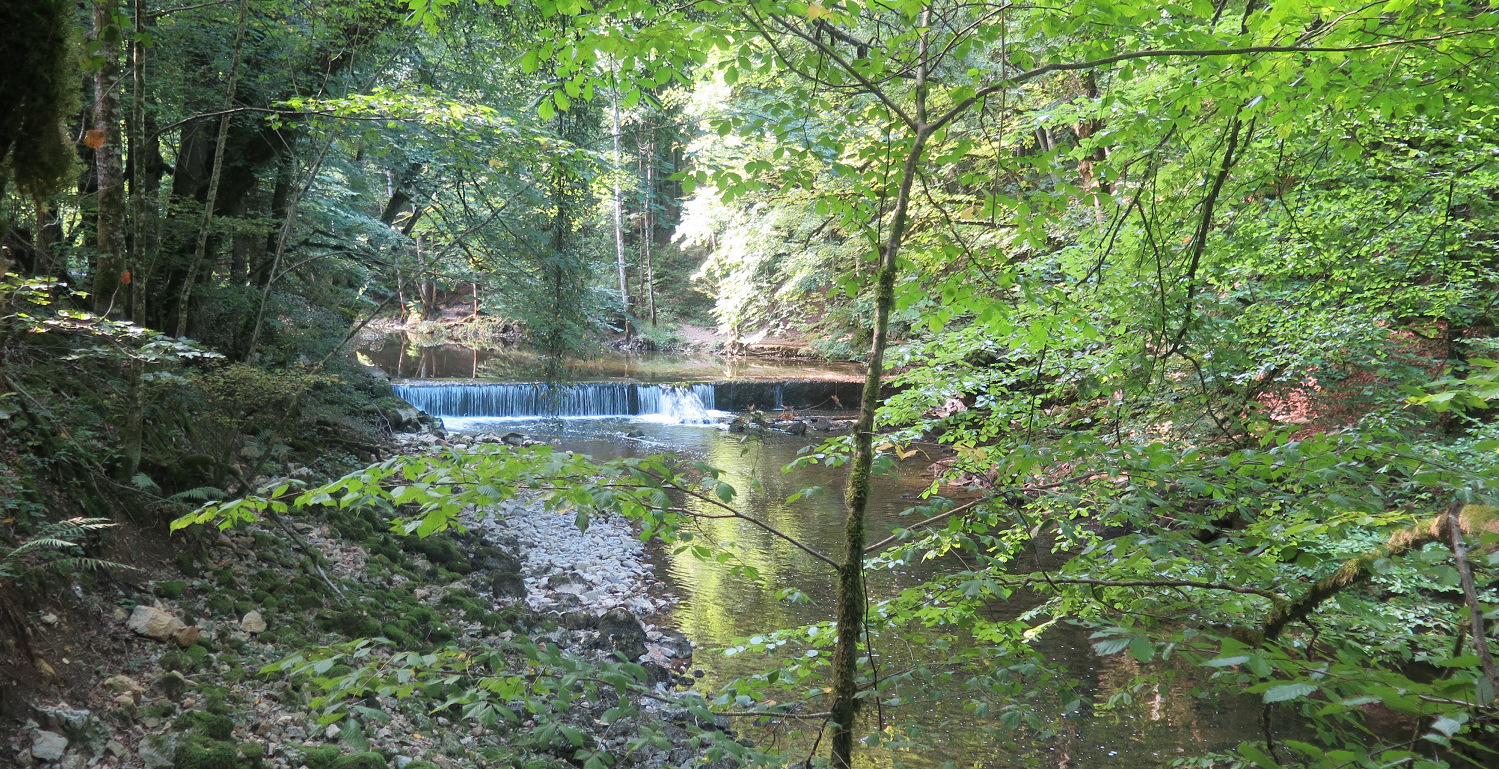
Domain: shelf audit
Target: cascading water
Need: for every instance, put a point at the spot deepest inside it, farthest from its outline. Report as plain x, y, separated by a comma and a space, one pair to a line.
691, 404
683, 405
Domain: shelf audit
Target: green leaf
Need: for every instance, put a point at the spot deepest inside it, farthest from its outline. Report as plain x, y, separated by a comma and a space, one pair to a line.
1286, 692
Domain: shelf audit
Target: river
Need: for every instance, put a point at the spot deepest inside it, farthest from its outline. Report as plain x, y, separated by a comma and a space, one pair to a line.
1155, 727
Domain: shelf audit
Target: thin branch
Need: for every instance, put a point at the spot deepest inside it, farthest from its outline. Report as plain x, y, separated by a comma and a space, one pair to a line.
1031, 74
970, 505
1151, 583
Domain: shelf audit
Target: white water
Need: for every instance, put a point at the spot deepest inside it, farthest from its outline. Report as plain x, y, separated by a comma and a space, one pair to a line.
687, 404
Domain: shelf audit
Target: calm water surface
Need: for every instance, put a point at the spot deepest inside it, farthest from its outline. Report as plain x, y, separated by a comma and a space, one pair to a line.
1158, 727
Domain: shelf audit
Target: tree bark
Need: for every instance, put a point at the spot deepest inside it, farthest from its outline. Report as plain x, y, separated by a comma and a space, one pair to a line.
1470, 597
105, 140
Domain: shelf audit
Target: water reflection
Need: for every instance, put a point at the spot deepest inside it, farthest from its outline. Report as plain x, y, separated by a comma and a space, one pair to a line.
1152, 728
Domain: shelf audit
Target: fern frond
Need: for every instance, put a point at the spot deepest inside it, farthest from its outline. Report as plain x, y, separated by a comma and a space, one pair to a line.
144, 482
200, 494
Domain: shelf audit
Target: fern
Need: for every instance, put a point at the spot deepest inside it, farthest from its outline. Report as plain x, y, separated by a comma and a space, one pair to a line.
200, 494
144, 483
56, 547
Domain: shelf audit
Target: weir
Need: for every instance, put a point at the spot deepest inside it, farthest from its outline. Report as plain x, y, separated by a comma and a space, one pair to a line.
687, 403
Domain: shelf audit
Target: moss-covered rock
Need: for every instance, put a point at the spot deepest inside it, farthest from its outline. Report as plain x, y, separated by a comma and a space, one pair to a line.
200, 752
214, 726
359, 761
220, 604
169, 590
320, 756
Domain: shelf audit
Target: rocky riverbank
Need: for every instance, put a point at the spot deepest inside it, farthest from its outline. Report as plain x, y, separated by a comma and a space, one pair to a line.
194, 690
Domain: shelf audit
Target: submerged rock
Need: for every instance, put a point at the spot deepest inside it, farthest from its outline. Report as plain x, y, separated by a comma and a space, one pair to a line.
674, 643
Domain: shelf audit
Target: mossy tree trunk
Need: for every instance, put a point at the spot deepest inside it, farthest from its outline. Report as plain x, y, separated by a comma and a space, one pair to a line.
104, 138
851, 604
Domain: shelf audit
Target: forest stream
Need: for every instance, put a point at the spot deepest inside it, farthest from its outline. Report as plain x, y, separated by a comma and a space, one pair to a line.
718, 611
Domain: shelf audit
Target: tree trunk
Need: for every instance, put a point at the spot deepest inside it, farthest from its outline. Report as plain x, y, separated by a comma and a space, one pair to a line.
650, 228
105, 141
851, 608
140, 156
619, 234
204, 228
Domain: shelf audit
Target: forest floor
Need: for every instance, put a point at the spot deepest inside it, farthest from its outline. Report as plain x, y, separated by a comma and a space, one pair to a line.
160, 666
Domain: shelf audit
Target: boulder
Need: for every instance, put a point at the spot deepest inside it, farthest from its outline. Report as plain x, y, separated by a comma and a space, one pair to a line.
154, 623
253, 623
622, 633
820, 424
674, 643
797, 428
513, 439
508, 584
47, 746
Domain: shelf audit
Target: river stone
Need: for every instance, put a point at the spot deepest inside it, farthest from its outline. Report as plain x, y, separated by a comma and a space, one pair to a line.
253, 623
154, 623
620, 631
567, 582
797, 428
656, 673
47, 746
566, 601
674, 643
513, 439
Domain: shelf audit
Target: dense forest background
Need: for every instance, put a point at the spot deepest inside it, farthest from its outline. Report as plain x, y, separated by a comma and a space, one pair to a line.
1198, 298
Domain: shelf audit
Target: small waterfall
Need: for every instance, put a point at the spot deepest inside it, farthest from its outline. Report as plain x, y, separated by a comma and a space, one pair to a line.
683, 404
